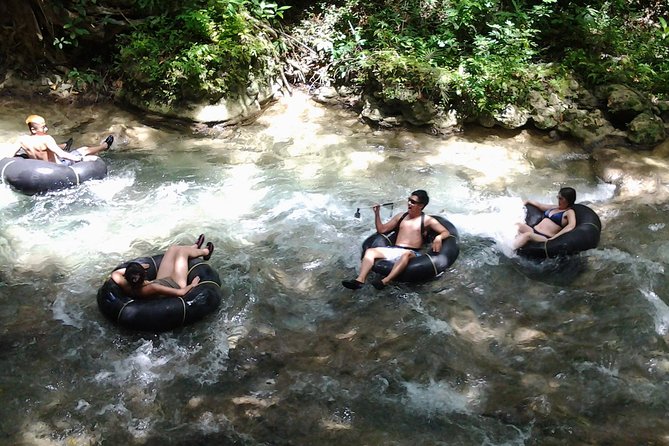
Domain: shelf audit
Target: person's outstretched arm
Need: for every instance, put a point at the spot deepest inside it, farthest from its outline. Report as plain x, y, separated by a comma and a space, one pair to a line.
541, 206
55, 148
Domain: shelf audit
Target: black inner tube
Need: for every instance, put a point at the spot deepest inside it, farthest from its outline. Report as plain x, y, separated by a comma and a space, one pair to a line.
159, 314
584, 236
424, 267
31, 176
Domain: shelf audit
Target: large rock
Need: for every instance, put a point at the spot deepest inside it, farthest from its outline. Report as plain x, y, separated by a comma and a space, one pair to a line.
623, 104
646, 129
234, 109
419, 112
590, 127
512, 117
327, 95
546, 113
663, 107
371, 111
446, 123
381, 114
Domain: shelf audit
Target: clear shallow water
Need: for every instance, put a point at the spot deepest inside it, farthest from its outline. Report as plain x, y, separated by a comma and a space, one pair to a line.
500, 351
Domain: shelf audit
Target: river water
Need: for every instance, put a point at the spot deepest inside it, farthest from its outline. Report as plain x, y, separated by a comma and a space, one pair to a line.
499, 351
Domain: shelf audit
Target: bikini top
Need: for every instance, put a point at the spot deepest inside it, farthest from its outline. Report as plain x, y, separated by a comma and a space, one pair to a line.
555, 218
423, 232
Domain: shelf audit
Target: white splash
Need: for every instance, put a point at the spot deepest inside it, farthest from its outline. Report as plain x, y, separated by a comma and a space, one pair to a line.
661, 314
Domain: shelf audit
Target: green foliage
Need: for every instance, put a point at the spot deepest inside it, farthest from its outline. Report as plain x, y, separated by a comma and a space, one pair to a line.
76, 26
467, 53
480, 55
83, 80
612, 48
201, 51
258, 8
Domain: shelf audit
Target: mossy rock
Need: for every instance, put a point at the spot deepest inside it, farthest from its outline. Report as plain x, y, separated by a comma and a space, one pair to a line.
646, 129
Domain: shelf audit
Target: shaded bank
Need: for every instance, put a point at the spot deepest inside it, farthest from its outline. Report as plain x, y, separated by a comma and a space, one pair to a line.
592, 72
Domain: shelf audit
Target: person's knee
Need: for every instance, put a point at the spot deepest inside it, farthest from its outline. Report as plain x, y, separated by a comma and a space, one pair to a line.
405, 257
172, 250
372, 254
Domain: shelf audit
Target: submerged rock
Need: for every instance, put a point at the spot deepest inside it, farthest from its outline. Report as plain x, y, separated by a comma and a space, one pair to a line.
636, 175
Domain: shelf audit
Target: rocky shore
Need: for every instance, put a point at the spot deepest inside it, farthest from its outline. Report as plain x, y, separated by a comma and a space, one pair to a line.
623, 130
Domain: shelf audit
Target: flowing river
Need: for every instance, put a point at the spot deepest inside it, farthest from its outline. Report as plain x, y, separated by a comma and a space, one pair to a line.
498, 351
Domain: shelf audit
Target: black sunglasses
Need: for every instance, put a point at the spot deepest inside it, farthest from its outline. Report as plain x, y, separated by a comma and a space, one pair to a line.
412, 201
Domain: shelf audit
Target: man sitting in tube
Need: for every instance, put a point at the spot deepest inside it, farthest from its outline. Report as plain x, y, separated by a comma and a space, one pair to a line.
40, 146
412, 228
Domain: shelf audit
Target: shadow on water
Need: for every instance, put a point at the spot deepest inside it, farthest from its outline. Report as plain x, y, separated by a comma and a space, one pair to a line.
559, 271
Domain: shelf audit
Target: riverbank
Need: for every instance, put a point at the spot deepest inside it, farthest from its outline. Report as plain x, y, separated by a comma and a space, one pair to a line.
641, 175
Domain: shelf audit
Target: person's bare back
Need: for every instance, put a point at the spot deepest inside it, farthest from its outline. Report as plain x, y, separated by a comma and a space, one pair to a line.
38, 147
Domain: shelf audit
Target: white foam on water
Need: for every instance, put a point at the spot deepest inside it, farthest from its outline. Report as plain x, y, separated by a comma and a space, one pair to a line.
7, 196
656, 226
498, 222
438, 398
148, 364
661, 311
611, 370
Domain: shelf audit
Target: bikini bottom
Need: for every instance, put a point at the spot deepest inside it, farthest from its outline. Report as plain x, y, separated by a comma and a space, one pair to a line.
543, 235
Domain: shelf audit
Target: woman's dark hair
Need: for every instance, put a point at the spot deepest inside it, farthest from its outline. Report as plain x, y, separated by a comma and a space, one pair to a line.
135, 274
569, 194
422, 196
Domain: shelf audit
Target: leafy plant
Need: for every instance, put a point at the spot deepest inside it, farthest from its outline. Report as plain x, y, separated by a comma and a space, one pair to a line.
83, 80
76, 27
202, 51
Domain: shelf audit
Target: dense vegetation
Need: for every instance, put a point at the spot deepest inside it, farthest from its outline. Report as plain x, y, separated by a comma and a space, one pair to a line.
200, 50
471, 55
479, 55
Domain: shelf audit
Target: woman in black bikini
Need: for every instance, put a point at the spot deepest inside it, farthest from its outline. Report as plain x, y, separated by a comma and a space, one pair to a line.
172, 276
557, 220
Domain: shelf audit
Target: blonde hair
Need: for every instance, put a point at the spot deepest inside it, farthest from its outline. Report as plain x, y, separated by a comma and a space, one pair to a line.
35, 122
35, 119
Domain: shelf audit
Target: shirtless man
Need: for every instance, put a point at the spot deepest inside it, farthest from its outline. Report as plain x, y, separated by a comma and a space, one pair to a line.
413, 226
40, 146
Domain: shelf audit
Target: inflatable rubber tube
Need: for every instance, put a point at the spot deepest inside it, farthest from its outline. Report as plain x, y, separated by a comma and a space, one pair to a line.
583, 237
424, 267
157, 314
31, 176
